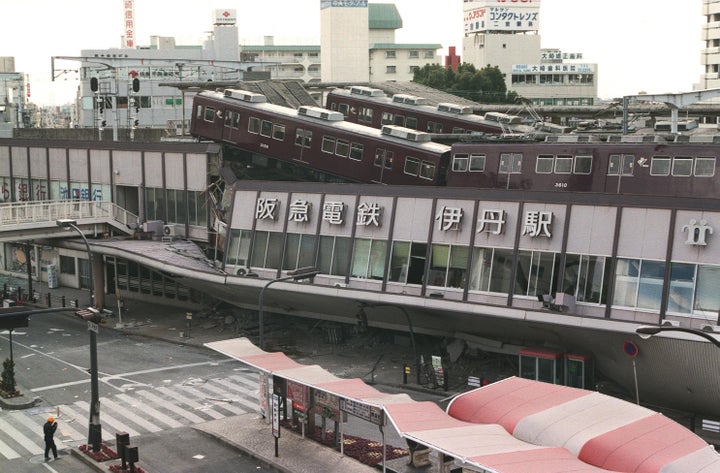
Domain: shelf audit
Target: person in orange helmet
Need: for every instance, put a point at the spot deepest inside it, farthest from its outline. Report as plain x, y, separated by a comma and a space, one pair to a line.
49, 430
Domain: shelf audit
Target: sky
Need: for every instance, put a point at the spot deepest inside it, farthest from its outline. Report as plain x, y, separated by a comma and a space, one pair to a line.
651, 46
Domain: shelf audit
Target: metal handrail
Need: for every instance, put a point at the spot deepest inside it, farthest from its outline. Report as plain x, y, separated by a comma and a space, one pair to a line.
39, 211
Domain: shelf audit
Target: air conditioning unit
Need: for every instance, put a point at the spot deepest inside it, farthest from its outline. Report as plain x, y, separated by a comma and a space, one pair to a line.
169, 231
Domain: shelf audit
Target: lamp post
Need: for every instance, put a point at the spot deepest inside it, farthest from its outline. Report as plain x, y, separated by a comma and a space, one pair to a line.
647, 331
94, 427
296, 275
410, 329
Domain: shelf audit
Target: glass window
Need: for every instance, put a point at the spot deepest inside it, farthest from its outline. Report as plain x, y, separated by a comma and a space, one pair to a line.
267, 250
460, 162
544, 164
477, 162
660, 166
427, 170
399, 120
390, 54
583, 165
333, 255
682, 166
387, 118
239, 247
356, 151
67, 264
412, 166
510, 163
342, 148
266, 128
563, 164
621, 164
254, 125
303, 138
369, 259
344, 109
411, 122
365, 114
299, 251
229, 116
707, 297
491, 270
328, 144
585, 277
278, 132
638, 283
705, 167
682, 285
407, 262
535, 273
383, 156
209, 114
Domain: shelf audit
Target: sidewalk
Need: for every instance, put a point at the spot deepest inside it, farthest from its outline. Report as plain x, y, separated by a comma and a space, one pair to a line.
381, 365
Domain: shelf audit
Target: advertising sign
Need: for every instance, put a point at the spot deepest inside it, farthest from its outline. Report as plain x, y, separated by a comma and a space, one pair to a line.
129, 16
224, 17
370, 413
343, 3
276, 415
553, 68
501, 15
300, 395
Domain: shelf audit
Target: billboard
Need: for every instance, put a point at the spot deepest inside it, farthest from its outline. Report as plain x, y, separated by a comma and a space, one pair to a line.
129, 28
343, 3
553, 68
224, 17
501, 15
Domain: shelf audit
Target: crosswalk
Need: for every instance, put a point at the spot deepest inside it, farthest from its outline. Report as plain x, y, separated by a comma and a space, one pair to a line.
147, 409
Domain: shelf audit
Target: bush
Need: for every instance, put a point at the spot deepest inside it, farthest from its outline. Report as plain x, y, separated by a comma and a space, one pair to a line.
7, 381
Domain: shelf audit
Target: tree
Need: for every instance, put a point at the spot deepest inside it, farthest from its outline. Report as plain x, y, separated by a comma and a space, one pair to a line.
486, 85
7, 382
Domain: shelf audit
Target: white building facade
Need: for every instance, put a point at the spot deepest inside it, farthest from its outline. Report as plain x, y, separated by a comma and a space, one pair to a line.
505, 34
711, 36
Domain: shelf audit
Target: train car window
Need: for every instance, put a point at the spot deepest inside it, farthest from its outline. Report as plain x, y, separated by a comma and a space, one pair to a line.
427, 170
458, 131
510, 163
254, 125
209, 114
303, 138
412, 166
399, 120
682, 166
477, 163
387, 118
333, 106
356, 151
660, 166
342, 148
266, 128
365, 115
328, 144
278, 132
583, 165
460, 162
621, 165
383, 156
344, 109
437, 127
228, 118
563, 164
411, 122
544, 164
705, 167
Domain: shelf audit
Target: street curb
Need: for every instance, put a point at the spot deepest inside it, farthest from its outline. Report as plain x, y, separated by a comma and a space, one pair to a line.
252, 454
21, 402
89, 461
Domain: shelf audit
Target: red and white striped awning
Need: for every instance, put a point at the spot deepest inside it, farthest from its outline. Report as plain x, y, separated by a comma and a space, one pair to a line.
515, 425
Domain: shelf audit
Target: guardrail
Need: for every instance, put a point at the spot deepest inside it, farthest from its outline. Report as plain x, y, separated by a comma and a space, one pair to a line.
23, 213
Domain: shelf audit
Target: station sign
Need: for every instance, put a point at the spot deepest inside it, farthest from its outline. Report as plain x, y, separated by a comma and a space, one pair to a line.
368, 412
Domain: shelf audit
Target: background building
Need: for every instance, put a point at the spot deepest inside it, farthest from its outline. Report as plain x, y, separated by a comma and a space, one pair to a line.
711, 53
504, 34
12, 98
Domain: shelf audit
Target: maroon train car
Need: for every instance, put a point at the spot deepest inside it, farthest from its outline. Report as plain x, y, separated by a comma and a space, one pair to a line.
371, 107
648, 165
319, 139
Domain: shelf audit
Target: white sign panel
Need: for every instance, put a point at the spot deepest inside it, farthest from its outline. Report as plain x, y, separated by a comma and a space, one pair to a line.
553, 68
129, 17
501, 15
224, 17
343, 3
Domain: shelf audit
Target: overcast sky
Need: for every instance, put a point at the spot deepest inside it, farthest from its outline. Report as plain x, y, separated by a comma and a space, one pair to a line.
639, 45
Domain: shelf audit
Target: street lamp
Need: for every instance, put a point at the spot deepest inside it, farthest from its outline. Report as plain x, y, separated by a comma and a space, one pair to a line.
363, 317
647, 331
299, 274
94, 427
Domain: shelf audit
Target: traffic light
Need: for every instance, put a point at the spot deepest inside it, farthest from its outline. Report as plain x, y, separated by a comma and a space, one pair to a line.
136, 85
103, 123
136, 122
94, 84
